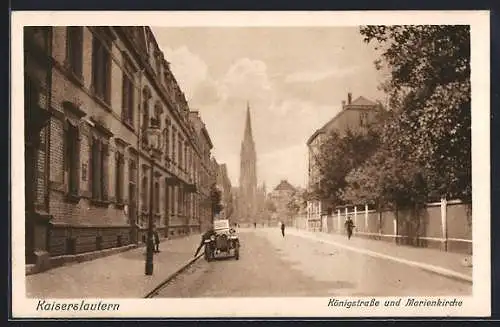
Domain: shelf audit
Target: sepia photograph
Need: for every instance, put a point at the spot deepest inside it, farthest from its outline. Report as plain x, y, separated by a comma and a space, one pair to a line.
250, 164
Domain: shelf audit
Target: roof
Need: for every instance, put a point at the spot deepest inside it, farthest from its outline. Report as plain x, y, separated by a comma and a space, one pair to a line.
362, 101
284, 186
356, 104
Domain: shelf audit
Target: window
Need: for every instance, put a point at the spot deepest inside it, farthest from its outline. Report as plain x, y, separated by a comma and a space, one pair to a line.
179, 148
145, 115
157, 198
128, 92
167, 199
99, 157
179, 201
120, 161
174, 144
144, 193
363, 119
75, 49
185, 156
158, 112
172, 200
101, 69
72, 158
132, 196
166, 135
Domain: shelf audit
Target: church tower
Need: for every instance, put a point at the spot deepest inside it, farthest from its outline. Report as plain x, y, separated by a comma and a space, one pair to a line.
248, 175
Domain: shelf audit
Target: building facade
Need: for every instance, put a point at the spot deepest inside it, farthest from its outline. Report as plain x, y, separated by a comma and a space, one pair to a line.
224, 184
96, 176
281, 196
355, 116
205, 171
247, 190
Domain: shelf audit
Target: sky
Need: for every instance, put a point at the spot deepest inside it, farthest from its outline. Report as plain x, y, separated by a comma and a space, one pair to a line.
293, 78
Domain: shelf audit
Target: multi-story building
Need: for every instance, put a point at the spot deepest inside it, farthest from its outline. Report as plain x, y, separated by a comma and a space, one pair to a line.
354, 115
37, 117
204, 171
281, 196
93, 95
224, 184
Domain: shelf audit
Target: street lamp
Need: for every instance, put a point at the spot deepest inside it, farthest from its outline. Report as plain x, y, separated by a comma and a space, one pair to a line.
153, 134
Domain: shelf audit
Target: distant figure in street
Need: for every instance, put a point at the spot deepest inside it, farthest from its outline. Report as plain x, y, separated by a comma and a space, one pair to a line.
254, 225
349, 225
210, 231
283, 229
156, 240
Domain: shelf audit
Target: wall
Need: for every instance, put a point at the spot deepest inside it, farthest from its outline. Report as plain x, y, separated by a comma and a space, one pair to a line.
446, 226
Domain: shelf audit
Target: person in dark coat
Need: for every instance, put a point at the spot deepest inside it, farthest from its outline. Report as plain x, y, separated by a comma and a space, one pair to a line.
349, 225
283, 229
205, 236
156, 239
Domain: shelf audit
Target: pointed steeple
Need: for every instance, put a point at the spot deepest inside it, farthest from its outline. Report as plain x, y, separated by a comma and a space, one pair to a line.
248, 126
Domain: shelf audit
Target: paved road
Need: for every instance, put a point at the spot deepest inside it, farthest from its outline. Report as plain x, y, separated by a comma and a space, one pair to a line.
293, 266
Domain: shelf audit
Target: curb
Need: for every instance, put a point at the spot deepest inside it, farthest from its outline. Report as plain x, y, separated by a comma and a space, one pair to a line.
427, 267
71, 259
155, 291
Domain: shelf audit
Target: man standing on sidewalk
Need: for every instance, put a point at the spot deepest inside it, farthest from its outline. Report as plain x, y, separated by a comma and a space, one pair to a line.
283, 229
156, 240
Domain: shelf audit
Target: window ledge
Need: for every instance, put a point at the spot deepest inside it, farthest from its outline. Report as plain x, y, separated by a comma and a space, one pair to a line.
101, 101
128, 124
74, 77
100, 203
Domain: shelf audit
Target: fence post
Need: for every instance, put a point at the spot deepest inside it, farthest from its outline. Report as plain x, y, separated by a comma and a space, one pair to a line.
339, 224
395, 227
380, 223
355, 216
444, 223
366, 218
346, 212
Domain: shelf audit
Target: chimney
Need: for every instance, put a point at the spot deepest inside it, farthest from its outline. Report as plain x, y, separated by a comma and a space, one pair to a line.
349, 98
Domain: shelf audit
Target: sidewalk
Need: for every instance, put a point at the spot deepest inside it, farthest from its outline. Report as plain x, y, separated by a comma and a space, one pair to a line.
446, 263
116, 276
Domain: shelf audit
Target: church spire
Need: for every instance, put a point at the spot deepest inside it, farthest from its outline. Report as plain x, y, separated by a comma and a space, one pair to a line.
248, 126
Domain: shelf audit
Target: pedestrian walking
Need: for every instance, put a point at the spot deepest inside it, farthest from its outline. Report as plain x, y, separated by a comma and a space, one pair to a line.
283, 229
156, 241
254, 225
349, 225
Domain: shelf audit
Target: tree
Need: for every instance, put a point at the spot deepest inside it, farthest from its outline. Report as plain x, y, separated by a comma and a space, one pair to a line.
429, 91
270, 206
338, 156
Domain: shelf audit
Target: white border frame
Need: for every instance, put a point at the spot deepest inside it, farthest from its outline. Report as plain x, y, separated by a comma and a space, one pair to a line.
476, 305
